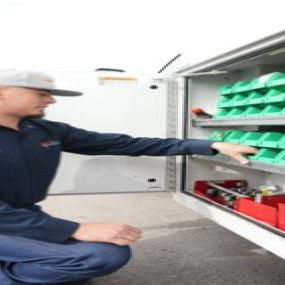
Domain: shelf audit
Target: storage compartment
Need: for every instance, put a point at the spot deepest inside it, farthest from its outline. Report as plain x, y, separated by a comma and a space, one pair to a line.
266, 209
251, 138
266, 155
225, 102
275, 96
280, 158
239, 100
222, 113
272, 110
225, 90
270, 139
241, 86
252, 79
236, 112
235, 137
253, 111
255, 98
277, 81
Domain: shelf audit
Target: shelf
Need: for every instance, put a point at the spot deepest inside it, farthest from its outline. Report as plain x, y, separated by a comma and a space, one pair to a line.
259, 121
268, 167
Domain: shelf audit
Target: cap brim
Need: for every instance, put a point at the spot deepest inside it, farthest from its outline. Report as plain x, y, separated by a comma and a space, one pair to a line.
53, 91
60, 92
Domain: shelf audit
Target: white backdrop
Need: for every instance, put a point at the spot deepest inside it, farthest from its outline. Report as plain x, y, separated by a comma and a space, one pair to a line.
140, 36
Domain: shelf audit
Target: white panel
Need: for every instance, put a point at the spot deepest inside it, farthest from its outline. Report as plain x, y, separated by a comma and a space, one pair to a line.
132, 109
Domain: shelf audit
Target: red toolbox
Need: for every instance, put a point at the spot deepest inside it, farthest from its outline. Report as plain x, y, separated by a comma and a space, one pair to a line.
270, 211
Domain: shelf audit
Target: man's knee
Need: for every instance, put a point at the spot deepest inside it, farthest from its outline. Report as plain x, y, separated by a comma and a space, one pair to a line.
116, 257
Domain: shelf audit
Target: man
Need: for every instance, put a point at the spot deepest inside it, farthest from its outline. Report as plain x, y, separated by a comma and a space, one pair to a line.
36, 248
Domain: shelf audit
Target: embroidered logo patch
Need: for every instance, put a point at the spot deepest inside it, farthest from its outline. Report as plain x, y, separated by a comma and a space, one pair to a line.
49, 143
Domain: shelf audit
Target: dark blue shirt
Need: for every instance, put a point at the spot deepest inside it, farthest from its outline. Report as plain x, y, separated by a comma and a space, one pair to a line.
29, 159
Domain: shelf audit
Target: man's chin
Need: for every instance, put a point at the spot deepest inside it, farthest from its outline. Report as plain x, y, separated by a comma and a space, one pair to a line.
38, 116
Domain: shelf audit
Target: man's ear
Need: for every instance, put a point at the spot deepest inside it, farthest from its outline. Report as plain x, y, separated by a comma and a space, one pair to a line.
2, 89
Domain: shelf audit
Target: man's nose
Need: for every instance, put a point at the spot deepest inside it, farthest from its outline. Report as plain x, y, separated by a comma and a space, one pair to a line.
50, 99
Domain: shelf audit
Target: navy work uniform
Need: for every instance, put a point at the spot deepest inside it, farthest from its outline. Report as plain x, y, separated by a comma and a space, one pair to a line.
36, 248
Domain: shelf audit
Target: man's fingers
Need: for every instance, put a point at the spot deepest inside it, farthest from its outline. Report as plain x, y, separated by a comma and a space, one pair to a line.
132, 230
241, 159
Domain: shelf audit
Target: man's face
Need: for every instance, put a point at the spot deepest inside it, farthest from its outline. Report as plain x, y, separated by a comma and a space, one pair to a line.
24, 102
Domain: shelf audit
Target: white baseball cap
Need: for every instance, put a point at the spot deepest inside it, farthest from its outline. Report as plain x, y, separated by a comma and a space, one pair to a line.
33, 79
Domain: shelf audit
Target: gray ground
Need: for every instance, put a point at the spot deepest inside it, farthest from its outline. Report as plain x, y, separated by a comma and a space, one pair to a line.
179, 247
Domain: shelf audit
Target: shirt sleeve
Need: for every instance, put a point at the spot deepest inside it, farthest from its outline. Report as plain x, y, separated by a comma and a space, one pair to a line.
81, 141
34, 224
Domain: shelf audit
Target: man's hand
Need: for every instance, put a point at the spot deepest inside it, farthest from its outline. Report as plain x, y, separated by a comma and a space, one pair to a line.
119, 234
235, 151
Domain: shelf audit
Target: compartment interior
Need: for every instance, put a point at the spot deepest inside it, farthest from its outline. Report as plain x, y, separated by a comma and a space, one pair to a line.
204, 93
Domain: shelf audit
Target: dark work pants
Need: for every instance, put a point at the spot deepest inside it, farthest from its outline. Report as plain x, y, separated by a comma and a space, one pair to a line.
27, 261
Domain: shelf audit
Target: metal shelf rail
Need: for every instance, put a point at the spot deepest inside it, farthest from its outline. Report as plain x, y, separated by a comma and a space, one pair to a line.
261, 121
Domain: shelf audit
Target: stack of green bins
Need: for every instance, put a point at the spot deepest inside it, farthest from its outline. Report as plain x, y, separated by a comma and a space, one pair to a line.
271, 144
262, 96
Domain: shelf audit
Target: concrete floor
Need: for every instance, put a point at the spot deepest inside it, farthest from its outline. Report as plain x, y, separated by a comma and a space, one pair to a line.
179, 247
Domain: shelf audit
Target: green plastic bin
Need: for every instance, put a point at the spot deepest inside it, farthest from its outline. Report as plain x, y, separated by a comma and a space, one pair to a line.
272, 110
257, 84
275, 96
224, 102
236, 112
234, 137
255, 98
280, 158
219, 136
241, 86
223, 113
251, 138
277, 80
281, 143
265, 155
262, 81
253, 111
238, 100
225, 89
270, 139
